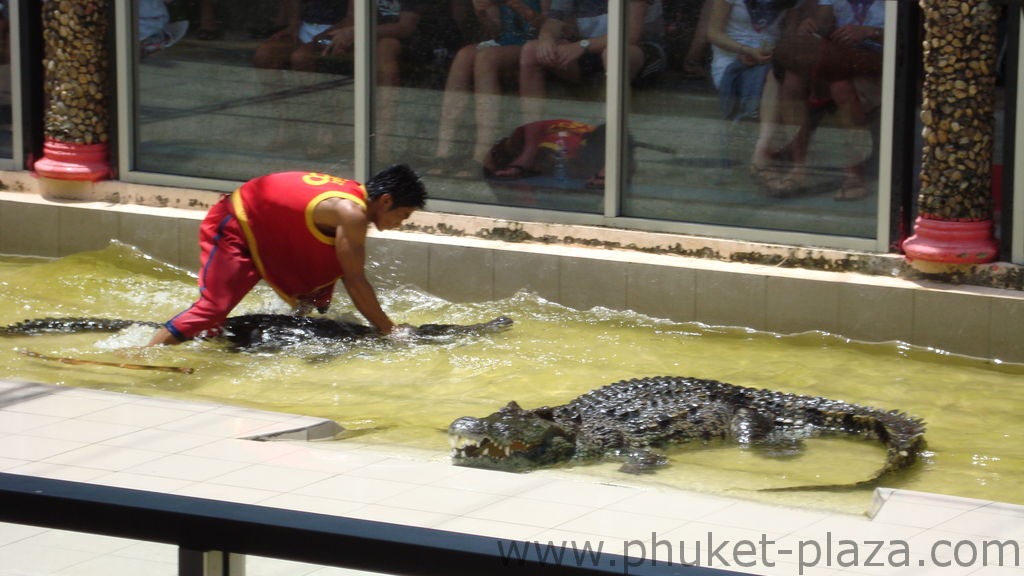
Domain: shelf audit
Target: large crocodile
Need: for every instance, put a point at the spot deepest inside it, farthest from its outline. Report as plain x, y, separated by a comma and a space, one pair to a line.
258, 330
630, 419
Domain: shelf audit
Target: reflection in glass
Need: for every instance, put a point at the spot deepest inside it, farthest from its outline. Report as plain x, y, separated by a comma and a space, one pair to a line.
770, 121
6, 143
522, 104
229, 89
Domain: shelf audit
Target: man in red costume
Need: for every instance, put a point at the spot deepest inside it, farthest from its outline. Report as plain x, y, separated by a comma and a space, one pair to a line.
300, 232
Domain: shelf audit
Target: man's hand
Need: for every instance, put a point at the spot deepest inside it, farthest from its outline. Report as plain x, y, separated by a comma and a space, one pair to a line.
401, 333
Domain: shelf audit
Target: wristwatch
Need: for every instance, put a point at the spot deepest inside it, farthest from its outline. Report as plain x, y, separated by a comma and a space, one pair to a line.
585, 44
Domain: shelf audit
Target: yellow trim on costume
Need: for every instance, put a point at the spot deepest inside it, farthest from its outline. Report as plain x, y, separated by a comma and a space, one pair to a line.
250, 239
311, 225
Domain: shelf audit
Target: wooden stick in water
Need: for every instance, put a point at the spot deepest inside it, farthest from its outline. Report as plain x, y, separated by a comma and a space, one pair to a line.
82, 361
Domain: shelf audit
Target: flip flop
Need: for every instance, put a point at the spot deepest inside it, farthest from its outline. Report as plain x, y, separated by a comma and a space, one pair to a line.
853, 188
787, 187
516, 172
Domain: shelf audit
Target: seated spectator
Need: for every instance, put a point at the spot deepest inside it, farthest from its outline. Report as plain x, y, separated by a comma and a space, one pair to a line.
322, 33
842, 72
315, 29
324, 29
480, 68
743, 34
574, 53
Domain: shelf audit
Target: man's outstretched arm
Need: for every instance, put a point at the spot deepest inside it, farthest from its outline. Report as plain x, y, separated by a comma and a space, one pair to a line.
350, 247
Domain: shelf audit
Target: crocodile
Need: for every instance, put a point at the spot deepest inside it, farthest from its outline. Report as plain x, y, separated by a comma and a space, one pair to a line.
259, 330
630, 419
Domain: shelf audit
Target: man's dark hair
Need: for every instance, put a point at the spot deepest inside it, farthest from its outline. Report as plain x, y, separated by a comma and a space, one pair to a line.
402, 183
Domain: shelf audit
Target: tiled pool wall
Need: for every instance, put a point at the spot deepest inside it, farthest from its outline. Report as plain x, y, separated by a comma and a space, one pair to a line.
975, 321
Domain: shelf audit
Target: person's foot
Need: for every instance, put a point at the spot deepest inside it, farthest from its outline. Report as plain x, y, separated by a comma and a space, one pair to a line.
514, 172
694, 68
792, 184
852, 188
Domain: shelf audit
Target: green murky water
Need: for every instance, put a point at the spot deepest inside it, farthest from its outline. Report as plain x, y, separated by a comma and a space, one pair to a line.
407, 394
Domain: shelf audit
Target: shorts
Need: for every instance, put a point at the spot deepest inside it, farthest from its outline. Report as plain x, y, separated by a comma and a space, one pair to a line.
308, 31
654, 62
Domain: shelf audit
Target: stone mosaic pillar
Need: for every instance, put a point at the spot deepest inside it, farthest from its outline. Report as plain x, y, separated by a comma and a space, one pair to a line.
77, 120
954, 225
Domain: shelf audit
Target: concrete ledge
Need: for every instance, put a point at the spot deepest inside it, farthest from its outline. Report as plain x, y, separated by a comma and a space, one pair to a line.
971, 320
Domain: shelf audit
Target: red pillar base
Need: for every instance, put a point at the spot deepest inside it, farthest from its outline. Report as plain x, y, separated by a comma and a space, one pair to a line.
951, 242
70, 161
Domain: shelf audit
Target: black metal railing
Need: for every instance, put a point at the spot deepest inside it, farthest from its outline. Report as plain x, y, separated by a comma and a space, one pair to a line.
196, 524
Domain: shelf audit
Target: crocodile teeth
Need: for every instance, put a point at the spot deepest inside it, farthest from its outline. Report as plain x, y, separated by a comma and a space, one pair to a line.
460, 442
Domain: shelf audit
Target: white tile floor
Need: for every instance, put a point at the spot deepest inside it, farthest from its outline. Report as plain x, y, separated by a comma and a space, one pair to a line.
200, 450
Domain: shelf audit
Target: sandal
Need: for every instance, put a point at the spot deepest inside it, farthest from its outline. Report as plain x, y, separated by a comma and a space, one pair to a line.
788, 187
853, 188
514, 172
764, 177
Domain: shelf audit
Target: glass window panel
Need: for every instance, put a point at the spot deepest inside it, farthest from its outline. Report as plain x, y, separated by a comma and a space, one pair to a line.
486, 119
759, 122
6, 142
228, 89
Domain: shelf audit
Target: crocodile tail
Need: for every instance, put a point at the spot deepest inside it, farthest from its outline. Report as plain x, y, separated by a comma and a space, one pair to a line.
38, 326
903, 436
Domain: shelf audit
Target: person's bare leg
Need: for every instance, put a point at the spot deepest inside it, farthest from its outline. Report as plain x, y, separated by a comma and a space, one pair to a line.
454, 102
490, 66
388, 79
532, 84
695, 62
794, 111
768, 124
532, 90
851, 119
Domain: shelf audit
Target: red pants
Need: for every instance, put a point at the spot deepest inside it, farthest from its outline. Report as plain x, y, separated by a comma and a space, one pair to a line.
226, 273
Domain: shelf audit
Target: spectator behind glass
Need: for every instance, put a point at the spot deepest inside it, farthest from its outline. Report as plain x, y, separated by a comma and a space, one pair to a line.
842, 73
505, 25
315, 29
320, 36
743, 34
575, 53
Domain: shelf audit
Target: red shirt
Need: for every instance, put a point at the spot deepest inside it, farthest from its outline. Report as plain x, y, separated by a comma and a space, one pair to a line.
292, 255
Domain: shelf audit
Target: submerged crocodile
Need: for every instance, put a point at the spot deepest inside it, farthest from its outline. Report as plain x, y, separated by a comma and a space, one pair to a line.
258, 330
630, 419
